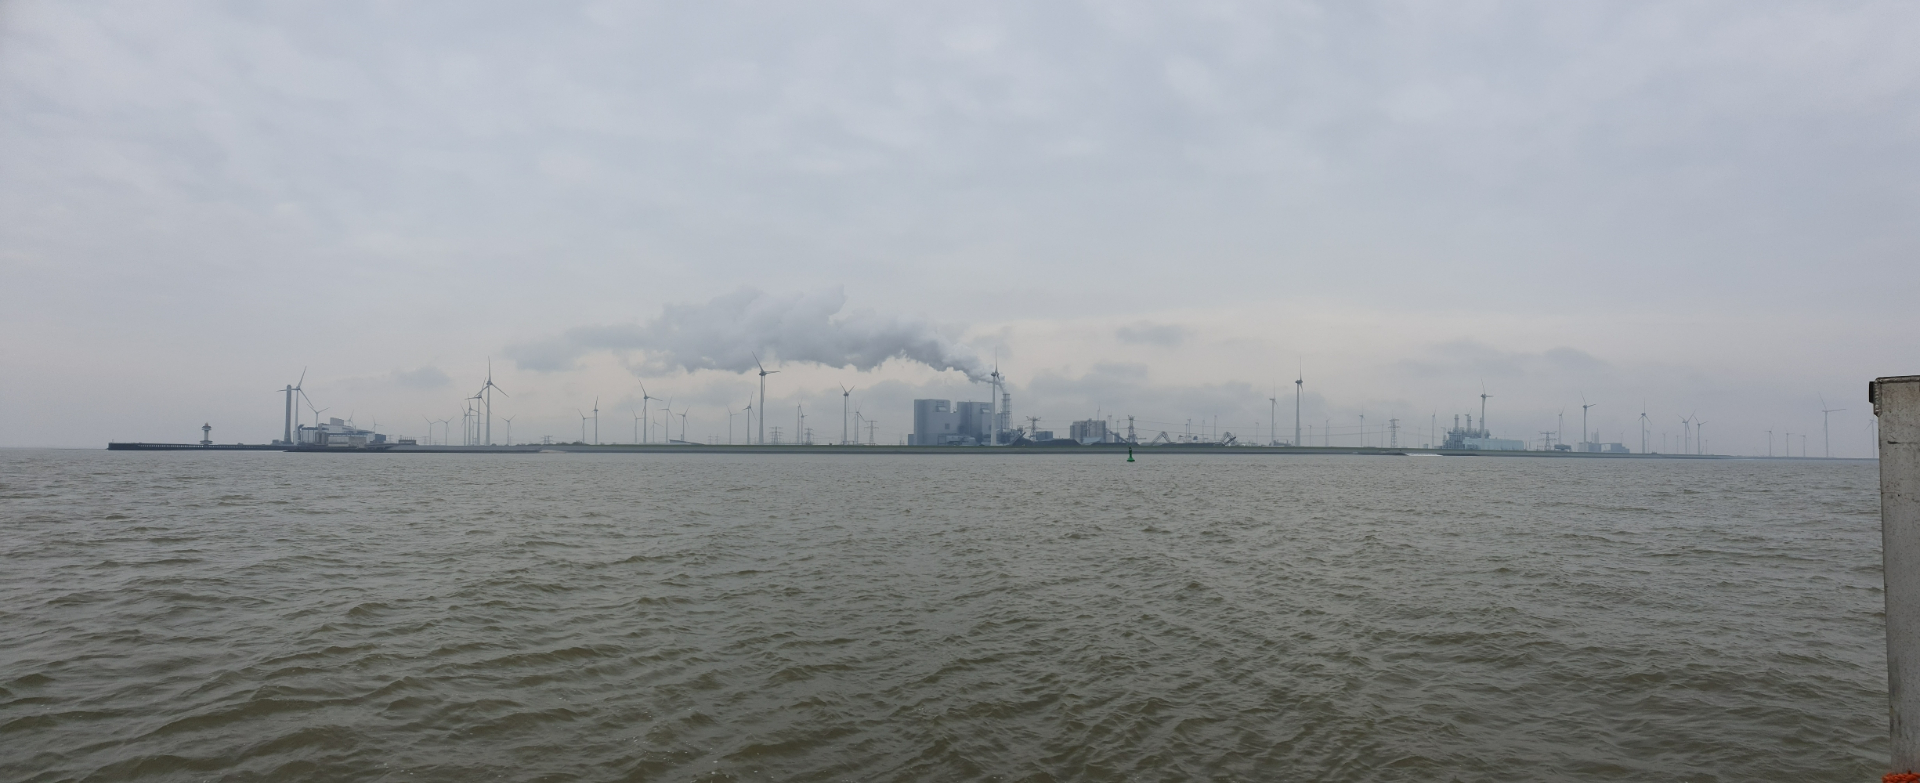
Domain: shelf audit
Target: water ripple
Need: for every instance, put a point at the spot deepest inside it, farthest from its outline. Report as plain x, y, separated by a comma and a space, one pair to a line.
265, 616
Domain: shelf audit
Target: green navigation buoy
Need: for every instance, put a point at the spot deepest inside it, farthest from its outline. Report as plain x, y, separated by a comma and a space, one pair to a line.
1129, 453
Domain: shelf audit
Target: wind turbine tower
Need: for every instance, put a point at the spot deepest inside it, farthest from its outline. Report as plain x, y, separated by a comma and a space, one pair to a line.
993, 406
487, 391
646, 424
1483, 412
763, 397
846, 409
1273, 420
1826, 436
1299, 383
293, 413
1644, 424
1585, 439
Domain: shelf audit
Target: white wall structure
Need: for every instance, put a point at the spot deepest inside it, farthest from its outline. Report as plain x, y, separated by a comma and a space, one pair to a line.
1897, 402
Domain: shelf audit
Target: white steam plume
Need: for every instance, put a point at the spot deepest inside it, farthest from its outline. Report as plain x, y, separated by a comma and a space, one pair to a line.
724, 334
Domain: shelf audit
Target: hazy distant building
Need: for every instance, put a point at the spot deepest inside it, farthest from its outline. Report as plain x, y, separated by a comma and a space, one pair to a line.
337, 434
973, 420
1603, 448
1089, 431
1469, 439
945, 423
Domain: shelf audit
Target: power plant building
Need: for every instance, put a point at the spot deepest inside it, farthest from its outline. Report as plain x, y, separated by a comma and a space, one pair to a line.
1089, 431
1468, 438
947, 423
337, 434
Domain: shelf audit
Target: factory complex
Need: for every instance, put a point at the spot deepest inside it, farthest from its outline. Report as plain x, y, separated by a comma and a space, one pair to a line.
938, 424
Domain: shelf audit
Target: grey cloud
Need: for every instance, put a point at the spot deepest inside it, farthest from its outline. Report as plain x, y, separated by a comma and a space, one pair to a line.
727, 331
421, 378
1144, 333
1474, 357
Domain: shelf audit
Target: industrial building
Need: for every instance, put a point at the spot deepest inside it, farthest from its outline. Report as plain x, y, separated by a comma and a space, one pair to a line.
1468, 438
337, 434
1090, 431
947, 423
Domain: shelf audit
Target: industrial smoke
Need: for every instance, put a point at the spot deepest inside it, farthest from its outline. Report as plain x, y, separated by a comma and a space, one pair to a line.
725, 333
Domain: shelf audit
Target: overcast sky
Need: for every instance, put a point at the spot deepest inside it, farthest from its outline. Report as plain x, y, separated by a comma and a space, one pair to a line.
1162, 210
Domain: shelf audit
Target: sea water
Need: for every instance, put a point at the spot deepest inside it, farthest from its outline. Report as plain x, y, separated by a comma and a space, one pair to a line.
984, 615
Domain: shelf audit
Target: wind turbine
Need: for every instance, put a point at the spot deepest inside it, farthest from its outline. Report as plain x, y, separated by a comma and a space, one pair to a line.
749, 411
583, 424
1483, 411
1825, 436
636, 425
596, 421
846, 403
1686, 433
293, 413
488, 389
1699, 436
429, 430
509, 420
683, 425
301, 393
316, 419
1644, 424
1299, 386
473, 409
648, 424
1273, 419
764, 372
1583, 420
